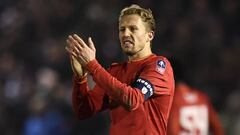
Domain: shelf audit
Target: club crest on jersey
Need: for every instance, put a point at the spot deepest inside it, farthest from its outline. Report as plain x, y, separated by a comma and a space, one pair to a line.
161, 66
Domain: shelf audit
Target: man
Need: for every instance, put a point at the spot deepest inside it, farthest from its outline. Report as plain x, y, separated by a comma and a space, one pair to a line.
192, 112
138, 92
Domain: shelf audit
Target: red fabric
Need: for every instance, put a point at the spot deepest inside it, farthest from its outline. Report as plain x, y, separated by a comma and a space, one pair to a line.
192, 113
130, 113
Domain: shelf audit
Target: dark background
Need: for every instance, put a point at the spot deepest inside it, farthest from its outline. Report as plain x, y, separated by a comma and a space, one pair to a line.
35, 74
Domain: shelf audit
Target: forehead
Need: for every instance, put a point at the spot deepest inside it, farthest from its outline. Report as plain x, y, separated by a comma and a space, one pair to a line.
131, 20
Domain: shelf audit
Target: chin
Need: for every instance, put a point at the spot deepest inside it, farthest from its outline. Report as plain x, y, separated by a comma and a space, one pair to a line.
129, 53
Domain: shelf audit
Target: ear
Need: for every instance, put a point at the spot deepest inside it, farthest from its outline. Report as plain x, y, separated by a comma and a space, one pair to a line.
150, 36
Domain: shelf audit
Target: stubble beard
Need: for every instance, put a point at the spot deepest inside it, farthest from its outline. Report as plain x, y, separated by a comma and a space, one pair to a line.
129, 53
132, 52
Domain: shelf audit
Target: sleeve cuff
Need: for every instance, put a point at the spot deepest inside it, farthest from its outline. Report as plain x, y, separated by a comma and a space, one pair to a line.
92, 66
80, 80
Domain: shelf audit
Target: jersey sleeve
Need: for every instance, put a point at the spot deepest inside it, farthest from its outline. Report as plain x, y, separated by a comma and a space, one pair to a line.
159, 73
87, 102
173, 127
130, 96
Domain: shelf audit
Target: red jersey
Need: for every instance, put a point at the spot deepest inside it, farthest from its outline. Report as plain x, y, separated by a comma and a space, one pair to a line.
138, 94
192, 113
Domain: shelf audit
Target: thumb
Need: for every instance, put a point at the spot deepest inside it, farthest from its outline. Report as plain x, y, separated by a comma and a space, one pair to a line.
90, 42
71, 59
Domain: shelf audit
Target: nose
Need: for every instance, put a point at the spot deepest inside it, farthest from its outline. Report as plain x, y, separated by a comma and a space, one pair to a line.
126, 33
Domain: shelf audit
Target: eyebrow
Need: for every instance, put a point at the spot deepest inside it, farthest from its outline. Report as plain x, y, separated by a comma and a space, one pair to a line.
127, 26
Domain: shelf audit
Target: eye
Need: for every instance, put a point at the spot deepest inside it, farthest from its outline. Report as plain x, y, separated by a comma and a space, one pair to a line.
133, 29
121, 29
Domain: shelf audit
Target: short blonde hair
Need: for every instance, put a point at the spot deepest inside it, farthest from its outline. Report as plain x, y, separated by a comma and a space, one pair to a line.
145, 14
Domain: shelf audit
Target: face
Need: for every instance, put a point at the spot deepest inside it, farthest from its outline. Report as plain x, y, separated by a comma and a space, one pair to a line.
133, 35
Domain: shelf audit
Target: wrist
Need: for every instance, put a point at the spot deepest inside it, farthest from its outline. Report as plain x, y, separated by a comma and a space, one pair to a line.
81, 79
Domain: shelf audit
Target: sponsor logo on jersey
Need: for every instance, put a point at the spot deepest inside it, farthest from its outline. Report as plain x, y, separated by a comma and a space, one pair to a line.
161, 66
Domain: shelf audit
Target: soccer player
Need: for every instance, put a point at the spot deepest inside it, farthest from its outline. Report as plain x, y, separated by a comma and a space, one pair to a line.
192, 112
138, 92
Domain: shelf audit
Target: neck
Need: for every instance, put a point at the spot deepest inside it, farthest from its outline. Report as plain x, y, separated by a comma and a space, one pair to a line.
141, 54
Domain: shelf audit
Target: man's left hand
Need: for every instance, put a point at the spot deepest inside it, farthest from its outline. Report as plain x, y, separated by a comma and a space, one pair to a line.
83, 52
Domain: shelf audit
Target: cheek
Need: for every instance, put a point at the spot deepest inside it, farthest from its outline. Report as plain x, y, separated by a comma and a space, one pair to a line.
119, 37
142, 38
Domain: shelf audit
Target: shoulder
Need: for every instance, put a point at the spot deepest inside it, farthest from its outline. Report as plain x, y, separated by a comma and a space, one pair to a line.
162, 60
160, 63
202, 95
159, 60
116, 66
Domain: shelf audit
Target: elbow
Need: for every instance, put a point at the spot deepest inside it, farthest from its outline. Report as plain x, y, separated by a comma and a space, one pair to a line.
83, 116
132, 102
130, 107
83, 112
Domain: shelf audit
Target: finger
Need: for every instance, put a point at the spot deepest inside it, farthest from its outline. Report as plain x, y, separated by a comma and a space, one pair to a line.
69, 43
74, 44
70, 46
80, 41
76, 49
71, 39
69, 50
91, 45
71, 59
72, 53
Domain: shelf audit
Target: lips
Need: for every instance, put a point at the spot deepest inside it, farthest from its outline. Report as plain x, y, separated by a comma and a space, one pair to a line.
127, 42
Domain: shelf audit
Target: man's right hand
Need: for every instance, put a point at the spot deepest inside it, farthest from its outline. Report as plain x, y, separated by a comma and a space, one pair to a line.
77, 68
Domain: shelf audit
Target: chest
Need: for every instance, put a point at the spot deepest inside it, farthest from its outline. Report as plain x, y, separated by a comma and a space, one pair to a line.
128, 73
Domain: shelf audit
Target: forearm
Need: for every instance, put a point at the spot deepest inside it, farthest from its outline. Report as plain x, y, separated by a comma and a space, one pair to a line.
128, 96
79, 100
87, 102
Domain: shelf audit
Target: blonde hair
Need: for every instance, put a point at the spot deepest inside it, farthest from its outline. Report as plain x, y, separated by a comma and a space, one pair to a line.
145, 14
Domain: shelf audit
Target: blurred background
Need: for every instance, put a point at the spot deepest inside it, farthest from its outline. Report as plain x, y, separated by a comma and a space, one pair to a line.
36, 77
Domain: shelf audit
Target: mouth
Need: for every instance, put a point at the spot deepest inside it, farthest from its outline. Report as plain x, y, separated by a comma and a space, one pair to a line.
127, 43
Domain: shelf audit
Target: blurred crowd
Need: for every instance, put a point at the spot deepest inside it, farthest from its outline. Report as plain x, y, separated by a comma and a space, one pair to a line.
36, 77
